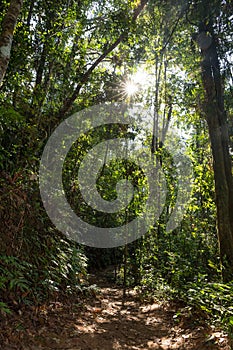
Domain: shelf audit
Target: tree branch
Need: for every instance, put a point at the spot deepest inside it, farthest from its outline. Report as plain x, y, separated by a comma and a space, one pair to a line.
182, 12
70, 100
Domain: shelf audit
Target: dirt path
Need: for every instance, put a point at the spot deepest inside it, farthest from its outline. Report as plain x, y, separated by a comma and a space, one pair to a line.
102, 324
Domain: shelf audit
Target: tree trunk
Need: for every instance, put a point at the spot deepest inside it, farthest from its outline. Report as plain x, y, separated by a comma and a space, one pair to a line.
6, 37
218, 131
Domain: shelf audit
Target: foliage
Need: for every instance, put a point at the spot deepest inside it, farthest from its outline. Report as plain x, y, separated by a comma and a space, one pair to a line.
62, 61
213, 298
35, 265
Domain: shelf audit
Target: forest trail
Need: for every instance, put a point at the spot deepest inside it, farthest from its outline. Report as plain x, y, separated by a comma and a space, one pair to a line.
101, 323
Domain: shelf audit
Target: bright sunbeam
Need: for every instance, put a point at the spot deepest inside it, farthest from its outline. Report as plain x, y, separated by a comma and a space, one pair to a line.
131, 88
136, 82
133, 85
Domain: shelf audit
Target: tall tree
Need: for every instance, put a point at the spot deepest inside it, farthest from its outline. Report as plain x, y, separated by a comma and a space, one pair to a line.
216, 117
6, 37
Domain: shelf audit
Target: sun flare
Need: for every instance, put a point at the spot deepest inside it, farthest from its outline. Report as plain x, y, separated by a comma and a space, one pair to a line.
133, 85
131, 88
136, 82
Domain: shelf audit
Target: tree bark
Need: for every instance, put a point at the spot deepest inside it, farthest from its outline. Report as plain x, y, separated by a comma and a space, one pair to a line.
6, 37
218, 131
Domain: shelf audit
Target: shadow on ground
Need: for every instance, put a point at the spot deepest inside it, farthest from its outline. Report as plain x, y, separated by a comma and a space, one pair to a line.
101, 323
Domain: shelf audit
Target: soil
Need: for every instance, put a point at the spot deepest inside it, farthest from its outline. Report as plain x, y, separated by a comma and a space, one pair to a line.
101, 322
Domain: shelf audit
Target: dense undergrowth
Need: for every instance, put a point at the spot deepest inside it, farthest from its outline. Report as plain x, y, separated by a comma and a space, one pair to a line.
37, 263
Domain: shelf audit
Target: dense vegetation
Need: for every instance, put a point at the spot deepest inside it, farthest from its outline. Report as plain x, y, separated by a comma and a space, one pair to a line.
67, 56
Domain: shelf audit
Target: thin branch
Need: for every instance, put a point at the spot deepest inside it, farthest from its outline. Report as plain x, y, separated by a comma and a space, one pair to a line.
182, 11
69, 101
